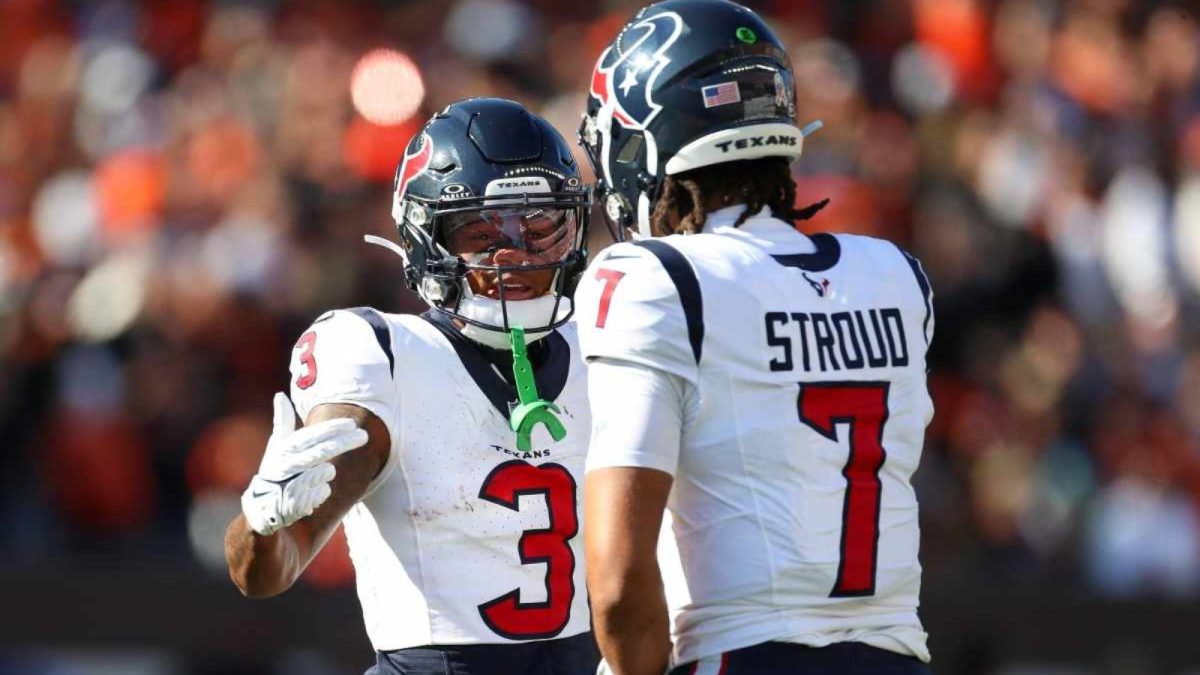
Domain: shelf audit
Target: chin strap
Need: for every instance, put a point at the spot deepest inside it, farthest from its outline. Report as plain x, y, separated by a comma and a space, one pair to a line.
531, 410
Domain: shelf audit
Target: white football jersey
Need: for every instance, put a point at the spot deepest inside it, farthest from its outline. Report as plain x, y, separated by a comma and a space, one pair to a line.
462, 538
792, 507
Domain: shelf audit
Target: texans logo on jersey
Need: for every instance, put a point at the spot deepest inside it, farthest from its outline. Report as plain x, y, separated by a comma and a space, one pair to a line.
623, 78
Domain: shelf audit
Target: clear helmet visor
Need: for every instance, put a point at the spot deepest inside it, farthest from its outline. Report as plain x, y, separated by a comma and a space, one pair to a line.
511, 253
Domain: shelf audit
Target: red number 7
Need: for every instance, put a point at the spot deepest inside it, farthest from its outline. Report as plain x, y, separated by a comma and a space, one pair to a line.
863, 406
611, 278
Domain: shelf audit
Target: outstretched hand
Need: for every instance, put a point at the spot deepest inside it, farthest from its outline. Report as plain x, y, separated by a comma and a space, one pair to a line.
293, 478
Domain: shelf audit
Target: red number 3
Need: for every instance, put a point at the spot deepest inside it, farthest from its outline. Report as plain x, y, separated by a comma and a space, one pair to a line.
506, 615
306, 344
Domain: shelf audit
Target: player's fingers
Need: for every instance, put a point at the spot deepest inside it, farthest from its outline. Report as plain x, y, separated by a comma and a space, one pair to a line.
319, 494
307, 492
332, 447
323, 473
303, 506
284, 421
321, 431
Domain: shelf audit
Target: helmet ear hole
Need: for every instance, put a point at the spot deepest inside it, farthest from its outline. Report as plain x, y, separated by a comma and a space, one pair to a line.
630, 149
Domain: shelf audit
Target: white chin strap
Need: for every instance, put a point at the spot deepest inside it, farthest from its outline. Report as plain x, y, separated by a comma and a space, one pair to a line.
535, 312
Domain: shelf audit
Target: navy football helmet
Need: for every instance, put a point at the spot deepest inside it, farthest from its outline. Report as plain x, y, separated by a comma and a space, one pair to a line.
685, 84
493, 218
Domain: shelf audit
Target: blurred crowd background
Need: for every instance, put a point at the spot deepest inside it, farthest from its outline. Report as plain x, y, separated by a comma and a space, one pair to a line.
184, 185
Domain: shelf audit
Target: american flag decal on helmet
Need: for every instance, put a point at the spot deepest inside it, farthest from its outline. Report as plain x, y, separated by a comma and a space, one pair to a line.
721, 94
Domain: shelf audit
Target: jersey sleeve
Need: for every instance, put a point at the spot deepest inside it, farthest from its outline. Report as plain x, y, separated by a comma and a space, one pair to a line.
345, 356
629, 308
926, 290
638, 415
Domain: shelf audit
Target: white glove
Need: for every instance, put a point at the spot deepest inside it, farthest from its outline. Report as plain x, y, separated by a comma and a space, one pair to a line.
293, 479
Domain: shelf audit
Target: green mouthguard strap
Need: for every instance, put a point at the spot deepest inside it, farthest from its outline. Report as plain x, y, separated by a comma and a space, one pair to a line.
531, 410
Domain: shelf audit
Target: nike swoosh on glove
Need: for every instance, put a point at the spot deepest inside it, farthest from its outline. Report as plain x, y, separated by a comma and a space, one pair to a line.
293, 478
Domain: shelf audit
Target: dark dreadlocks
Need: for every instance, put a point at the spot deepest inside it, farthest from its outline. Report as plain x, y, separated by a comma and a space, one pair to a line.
753, 182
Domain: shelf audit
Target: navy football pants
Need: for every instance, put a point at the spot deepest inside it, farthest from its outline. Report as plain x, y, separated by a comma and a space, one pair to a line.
575, 655
782, 658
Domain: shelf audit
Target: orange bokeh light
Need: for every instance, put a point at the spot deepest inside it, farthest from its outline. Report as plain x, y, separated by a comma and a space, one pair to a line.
386, 87
373, 151
222, 157
130, 188
959, 31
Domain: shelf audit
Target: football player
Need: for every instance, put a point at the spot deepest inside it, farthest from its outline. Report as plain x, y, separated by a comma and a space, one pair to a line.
765, 386
450, 445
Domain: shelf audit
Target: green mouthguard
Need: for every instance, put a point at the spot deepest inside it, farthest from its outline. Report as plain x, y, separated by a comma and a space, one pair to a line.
531, 410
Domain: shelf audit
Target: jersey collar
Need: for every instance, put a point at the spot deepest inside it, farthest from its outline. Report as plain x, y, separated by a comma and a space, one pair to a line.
763, 229
726, 217
551, 357
781, 240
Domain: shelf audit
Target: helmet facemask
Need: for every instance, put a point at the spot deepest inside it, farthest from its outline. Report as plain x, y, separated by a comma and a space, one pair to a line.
492, 218
497, 262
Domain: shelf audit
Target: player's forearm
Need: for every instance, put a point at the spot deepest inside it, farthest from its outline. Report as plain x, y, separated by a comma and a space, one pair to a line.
622, 521
261, 566
631, 626
265, 566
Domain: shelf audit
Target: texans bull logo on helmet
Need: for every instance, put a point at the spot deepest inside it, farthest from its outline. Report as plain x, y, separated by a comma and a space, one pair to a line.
410, 167
413, 165
623, 77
